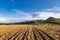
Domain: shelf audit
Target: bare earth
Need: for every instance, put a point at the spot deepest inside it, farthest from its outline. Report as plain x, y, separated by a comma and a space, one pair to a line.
29, 32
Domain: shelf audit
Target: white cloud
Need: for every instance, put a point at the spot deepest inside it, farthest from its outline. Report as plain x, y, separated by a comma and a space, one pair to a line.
54, 9
2, 20
44, 15
52, 12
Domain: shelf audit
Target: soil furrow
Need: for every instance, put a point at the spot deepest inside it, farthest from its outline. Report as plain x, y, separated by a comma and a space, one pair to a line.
51, 38
24, 35
14, 34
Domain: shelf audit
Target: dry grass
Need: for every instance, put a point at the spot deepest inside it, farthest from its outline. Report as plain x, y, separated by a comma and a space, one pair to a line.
29, 32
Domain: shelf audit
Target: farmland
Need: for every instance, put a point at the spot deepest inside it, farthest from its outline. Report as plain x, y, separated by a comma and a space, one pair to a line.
29, 32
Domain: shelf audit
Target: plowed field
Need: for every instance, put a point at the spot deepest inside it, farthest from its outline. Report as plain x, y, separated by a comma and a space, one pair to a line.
29, 32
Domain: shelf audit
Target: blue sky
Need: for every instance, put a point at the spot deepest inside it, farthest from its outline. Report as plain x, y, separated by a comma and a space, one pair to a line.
22, 10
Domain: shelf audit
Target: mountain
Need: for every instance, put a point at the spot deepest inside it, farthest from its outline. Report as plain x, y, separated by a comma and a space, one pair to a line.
50, 20
53, 20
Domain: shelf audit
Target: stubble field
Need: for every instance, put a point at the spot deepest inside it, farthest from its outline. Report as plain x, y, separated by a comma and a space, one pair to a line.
29, 32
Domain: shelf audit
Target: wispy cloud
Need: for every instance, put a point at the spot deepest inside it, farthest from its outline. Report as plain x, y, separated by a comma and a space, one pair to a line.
22, 16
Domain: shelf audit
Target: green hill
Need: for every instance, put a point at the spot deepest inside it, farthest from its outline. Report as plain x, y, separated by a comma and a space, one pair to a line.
50, 20
33, 22
53, 20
